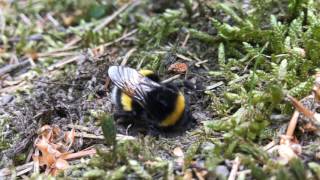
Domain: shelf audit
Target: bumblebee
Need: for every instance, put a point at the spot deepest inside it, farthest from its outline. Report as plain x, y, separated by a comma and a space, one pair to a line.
127, 106
163, 105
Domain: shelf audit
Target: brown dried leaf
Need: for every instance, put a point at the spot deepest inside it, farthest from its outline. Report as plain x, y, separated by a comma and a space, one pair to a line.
54, 145
78, 154
45, 131
69, 138
56, 131
53, 151
47, 158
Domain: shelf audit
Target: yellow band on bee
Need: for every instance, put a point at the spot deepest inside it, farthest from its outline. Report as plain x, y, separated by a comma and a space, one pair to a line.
126, 102
146, 72
176, 114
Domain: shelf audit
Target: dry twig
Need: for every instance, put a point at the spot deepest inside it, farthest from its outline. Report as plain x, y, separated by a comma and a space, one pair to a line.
200, 63
78, 127
110, 18
269, 146
19, 169
292, 126
120, 38
8, 68
79, 154
186, 40
299, 106
127, 56
234, 170
171, 78
65, 62
215, 85
184, 57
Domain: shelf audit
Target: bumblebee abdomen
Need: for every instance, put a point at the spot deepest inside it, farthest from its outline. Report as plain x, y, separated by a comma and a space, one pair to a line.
176, 113
166, 106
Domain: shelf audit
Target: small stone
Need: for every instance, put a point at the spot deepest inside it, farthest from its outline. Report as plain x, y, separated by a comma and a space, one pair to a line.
222, 171
178, 152
6, 99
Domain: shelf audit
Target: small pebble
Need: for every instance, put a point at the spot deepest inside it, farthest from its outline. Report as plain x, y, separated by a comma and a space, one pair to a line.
222, 171
6, 99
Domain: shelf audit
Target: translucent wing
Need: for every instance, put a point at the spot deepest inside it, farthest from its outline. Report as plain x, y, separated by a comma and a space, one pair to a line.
132, 82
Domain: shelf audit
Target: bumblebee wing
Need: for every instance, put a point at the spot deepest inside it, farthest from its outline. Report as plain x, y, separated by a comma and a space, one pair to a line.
132, 82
